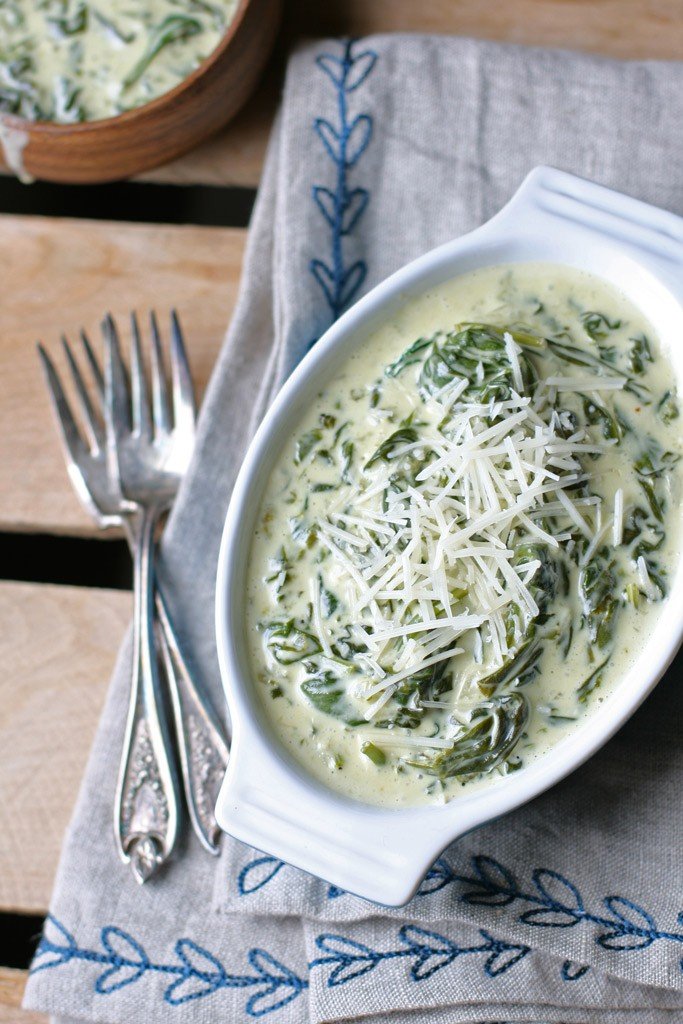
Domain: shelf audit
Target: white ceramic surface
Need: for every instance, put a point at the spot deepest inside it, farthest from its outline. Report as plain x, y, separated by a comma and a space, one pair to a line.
267, 800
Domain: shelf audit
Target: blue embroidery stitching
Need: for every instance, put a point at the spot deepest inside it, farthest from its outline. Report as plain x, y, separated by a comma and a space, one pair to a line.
257, 873
197, 973
263, 869
342, 207
556, 903
429, 952
194, 975
572, 972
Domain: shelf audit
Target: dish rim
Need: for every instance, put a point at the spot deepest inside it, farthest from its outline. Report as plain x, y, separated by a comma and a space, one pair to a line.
267, 799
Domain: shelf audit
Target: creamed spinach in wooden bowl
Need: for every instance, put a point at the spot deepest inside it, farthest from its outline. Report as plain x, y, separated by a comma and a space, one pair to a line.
93, 90
69, 61
468, 540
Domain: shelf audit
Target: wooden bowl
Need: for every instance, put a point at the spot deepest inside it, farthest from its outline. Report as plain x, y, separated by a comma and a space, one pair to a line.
166, 127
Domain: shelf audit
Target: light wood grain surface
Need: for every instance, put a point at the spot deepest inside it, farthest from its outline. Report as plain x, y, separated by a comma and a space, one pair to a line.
12, 985
57, 649
60, 274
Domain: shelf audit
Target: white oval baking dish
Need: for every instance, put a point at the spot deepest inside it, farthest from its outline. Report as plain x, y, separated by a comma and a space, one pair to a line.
267, 800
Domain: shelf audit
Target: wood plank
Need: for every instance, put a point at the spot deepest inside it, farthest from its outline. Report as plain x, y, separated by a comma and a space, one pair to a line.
12, 984
57, 649
616, 28
60, 274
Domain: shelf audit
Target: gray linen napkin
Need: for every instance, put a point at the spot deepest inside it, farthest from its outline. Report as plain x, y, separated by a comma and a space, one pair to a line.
567, 910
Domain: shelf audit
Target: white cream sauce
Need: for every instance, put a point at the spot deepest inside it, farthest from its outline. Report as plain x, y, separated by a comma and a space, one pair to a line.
293, 575
13, 142
75, 60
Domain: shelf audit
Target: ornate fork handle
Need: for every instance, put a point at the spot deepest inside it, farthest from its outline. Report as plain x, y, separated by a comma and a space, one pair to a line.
203, 751
147, 801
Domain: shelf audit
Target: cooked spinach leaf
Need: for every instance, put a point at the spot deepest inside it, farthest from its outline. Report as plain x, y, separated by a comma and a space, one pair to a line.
597, 326
376, 755
668, 407
289, 643
494, 729
323, 690
410, 357
170, 30
640, 354
400, 437
598, 590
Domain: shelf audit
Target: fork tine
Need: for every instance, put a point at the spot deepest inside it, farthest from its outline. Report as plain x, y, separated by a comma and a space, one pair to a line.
161, 411
138, 382
95, 368
183, 392
91, 418
116, 403
75, 446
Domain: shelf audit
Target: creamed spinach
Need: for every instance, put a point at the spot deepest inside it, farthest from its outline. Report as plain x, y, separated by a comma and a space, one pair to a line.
468, 539
82, 60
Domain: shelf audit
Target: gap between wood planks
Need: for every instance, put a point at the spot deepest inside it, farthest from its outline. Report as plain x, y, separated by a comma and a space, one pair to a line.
132, 201
19, 936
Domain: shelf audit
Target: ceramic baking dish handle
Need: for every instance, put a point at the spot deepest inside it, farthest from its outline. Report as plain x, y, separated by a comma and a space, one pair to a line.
378, 855
549, 200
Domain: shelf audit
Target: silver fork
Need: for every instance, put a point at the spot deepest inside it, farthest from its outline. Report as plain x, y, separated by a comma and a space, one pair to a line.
203, 752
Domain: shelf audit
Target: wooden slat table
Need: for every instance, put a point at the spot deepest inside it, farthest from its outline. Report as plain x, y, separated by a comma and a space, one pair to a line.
58, 643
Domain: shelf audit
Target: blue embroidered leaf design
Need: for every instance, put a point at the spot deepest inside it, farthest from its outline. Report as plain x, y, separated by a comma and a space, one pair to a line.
362, 65
572, 972
634, 927
351, 282
354, 208
332, 66
353, 959
438, 876
549, 918
496, 886
343, 214
258, 873
329, 138
563, 904
327, 203
202, 974
357, 139
433, 951
334, 892
56, 947
345, 140
504, 955
280, 985
127, 958
325, 278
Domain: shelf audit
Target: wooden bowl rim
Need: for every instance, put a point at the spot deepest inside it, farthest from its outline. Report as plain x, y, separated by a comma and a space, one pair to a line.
128, 117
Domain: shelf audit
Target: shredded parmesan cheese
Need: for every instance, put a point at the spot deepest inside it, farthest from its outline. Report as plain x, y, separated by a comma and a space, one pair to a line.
430, 562
647, 586
618, 523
